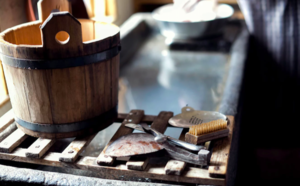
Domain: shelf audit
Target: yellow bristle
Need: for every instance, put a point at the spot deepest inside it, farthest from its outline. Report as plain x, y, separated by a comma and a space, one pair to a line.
208, 127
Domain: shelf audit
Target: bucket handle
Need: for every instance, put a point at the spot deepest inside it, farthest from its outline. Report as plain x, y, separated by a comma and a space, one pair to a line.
61, 35
45, 7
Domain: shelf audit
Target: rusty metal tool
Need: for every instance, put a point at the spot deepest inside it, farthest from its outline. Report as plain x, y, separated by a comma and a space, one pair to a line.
160, 138
143, 143
133, 144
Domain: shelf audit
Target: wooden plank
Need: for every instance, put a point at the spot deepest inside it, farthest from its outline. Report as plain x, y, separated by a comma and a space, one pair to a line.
146, 119
7, 131
206, 137
137, 163
39, 148
21, 35
88, 31
174, 167
95, 88
120, 171
74, 108
9, 36
12, 141
6, 120
71, 153
220, 153
3, 87
160, 124
135, 116
107, 83
37, 94
115, 61
15, 82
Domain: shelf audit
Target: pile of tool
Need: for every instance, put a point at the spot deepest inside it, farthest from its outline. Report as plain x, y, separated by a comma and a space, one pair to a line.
203, 126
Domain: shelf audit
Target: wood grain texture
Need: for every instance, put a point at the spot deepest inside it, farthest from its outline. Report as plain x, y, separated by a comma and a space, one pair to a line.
39, 148
37, 94
10, 47
206, 137
58, 96
12, 141
106, 36
88, 29
10, 129
80, 133
3, 87
6, 120
115, 67
107, 86
95, 86
135, 116
62, 21
101, 89
146, 119
174, 167
136, 163
15, 78
8, 36
45, 7
160, 124
21, 35
120, 171
67, 94
220, 153
71, 153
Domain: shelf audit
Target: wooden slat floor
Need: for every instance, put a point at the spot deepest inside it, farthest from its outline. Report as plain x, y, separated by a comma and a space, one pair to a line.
111, 168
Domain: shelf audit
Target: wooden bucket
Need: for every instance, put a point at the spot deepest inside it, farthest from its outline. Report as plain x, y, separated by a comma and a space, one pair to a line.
61, 89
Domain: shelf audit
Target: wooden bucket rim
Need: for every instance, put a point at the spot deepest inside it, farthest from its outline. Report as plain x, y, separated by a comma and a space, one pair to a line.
24, 51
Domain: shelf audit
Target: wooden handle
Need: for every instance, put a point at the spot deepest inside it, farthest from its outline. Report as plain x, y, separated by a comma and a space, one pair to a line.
45, 7
61, 34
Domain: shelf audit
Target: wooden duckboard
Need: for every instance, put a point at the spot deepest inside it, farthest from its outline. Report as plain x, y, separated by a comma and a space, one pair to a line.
38, 153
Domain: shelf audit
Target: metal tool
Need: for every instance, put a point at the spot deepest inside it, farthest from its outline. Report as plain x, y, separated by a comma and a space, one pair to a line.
190, 117
133, 144
160, 138
143, 143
